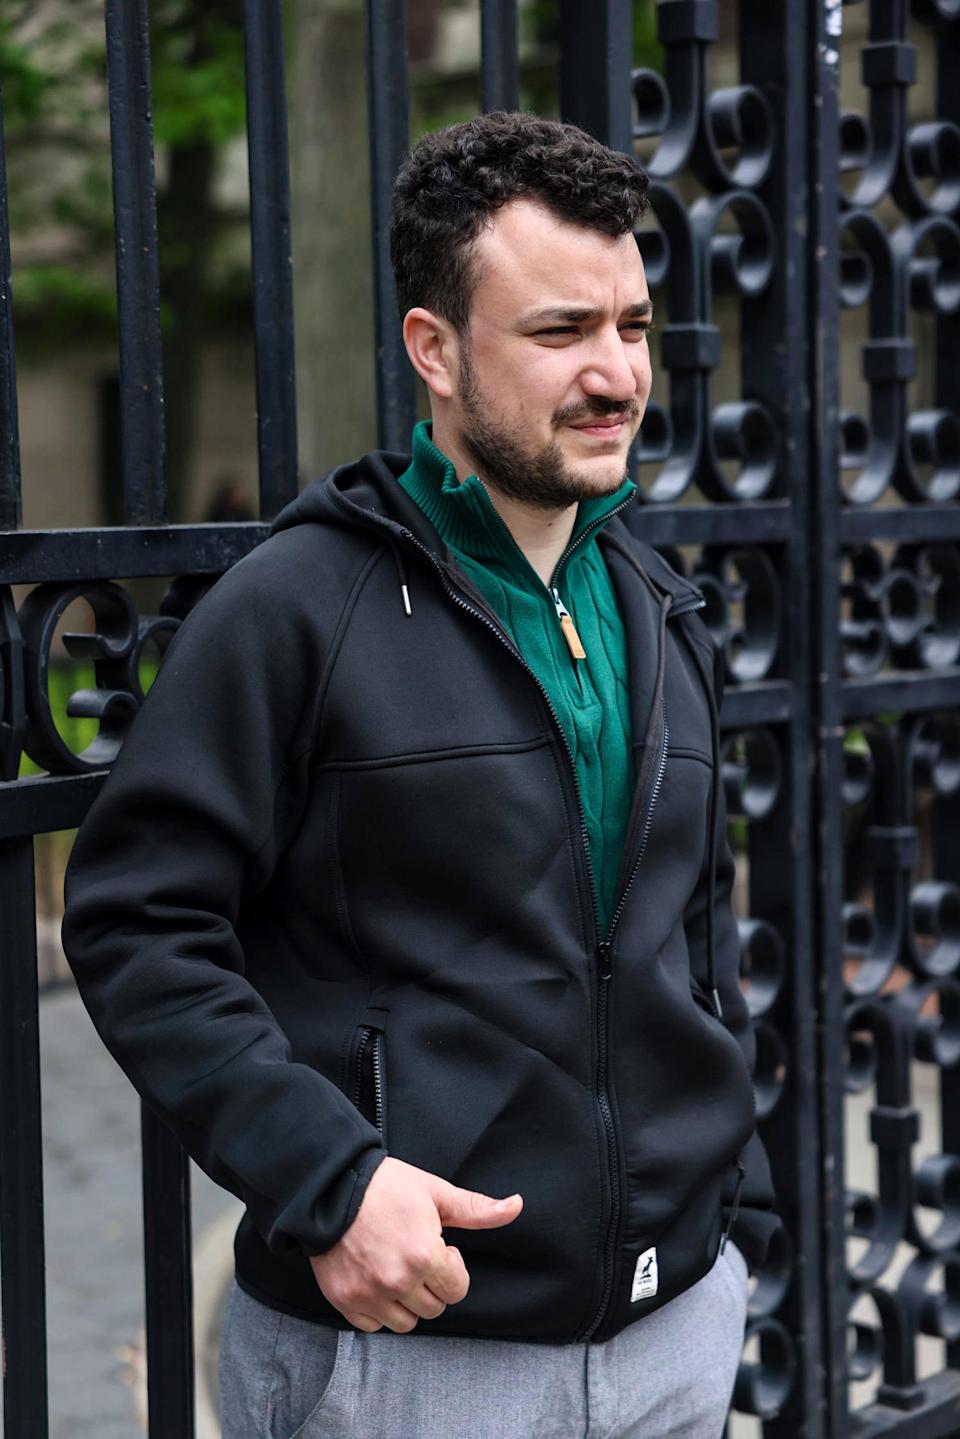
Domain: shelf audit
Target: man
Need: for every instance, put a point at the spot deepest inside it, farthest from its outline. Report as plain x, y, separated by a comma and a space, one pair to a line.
409, 887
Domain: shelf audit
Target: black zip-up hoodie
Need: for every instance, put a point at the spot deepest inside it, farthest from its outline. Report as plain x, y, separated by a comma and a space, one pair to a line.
335, 901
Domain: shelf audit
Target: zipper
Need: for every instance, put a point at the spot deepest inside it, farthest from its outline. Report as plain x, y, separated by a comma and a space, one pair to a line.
567, 625
709, 1007
606, 973
735, 1204
368, 1061
574, 642
585, 535
603, 945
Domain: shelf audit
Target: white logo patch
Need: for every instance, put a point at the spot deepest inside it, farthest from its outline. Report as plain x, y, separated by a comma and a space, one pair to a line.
646, 1279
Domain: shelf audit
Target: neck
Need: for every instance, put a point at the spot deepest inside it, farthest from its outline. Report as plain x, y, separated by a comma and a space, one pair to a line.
541, 534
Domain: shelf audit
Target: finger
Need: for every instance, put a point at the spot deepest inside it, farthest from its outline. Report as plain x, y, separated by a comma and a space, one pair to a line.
448, 1278
398, 1317
366, 1322
424, 1303
466, 1209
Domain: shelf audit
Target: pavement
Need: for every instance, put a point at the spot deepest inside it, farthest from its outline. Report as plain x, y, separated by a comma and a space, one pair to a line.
94, 1239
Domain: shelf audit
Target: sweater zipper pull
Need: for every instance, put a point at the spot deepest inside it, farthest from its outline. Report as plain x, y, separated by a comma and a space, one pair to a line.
573, 640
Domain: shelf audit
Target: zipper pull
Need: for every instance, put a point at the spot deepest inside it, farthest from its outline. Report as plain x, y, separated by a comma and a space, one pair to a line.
574, 643
603, 956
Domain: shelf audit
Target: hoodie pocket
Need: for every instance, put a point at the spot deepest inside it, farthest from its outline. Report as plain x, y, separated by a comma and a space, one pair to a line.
368, 1083
702, 999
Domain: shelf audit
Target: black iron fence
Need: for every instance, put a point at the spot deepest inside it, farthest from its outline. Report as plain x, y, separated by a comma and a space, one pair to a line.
801, 457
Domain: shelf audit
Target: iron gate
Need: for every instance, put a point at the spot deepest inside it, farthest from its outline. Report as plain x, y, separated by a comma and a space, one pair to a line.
801, 457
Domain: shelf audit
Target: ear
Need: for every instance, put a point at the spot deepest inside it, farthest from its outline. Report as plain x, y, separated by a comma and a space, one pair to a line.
432, 347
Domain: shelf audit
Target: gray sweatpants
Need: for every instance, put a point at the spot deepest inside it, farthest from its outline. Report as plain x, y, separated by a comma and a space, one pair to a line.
669, 1376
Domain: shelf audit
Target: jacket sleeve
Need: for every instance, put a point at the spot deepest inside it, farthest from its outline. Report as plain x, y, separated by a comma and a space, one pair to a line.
755, 1222
185, 821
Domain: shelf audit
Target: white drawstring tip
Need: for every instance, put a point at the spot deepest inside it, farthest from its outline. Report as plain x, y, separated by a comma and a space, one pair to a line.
718, 1007
406, 599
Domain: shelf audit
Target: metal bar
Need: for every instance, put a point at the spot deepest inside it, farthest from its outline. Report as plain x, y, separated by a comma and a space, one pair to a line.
271, 255
596, 43
900, 693
10, 504
823, 257
498, 54
169, 1281
31, 556
43, 804
138, 276
774, 45
388, 109
900, 524
939, 1419
750, 706
21, 1160
761, 523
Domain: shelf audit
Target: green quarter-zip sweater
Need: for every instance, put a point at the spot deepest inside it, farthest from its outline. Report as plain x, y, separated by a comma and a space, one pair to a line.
589, 695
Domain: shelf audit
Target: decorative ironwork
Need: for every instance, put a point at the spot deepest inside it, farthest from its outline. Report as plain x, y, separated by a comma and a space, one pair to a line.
887, 481
800, 459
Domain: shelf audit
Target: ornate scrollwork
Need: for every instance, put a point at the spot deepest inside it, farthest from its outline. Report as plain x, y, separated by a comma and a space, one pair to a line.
724, 245
743, 615
752, 774
913, 269
725, 138
901, 609
115, 646
721, 243
902, 962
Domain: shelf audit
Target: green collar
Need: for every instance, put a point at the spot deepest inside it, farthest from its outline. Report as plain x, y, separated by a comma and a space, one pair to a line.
465, 518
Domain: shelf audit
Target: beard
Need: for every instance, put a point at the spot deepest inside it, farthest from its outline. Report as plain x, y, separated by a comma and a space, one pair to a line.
534, 476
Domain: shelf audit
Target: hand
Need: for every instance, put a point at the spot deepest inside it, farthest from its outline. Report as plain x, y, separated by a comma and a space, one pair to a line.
392, 1267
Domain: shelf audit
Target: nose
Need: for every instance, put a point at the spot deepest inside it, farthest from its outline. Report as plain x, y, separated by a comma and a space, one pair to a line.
613, 366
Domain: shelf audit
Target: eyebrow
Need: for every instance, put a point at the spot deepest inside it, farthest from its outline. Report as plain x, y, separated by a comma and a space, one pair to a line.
642, 310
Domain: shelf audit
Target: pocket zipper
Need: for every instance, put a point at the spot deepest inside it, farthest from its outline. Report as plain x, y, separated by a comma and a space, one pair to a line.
735, 1205
368, 1075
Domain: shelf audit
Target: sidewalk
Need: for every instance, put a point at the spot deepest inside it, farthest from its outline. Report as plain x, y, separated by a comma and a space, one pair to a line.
94, 1237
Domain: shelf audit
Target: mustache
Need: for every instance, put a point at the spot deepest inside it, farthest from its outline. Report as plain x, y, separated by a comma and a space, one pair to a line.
596, 408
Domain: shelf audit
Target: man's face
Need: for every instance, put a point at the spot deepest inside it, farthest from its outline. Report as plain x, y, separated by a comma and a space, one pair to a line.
554, 369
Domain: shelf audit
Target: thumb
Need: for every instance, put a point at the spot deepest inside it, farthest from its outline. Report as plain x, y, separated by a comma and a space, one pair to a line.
466, 1209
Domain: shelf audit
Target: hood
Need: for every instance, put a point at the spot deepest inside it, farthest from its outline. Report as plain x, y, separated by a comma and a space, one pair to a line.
360, 493
365, 492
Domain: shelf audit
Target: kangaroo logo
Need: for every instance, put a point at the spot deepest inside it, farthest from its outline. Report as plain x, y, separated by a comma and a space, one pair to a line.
646, 1277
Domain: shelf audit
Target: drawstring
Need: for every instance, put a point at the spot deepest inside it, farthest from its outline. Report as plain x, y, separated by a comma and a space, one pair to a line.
401, 572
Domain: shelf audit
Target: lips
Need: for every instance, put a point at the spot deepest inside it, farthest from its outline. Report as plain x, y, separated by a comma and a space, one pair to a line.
607, 428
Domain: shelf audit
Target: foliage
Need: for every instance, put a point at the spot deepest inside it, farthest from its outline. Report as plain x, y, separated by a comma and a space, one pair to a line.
196, 96
541, 19
53, 81
64, 678
65, 303
24, 84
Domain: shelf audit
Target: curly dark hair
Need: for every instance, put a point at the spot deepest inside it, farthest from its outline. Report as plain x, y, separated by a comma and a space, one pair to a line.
455, 178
